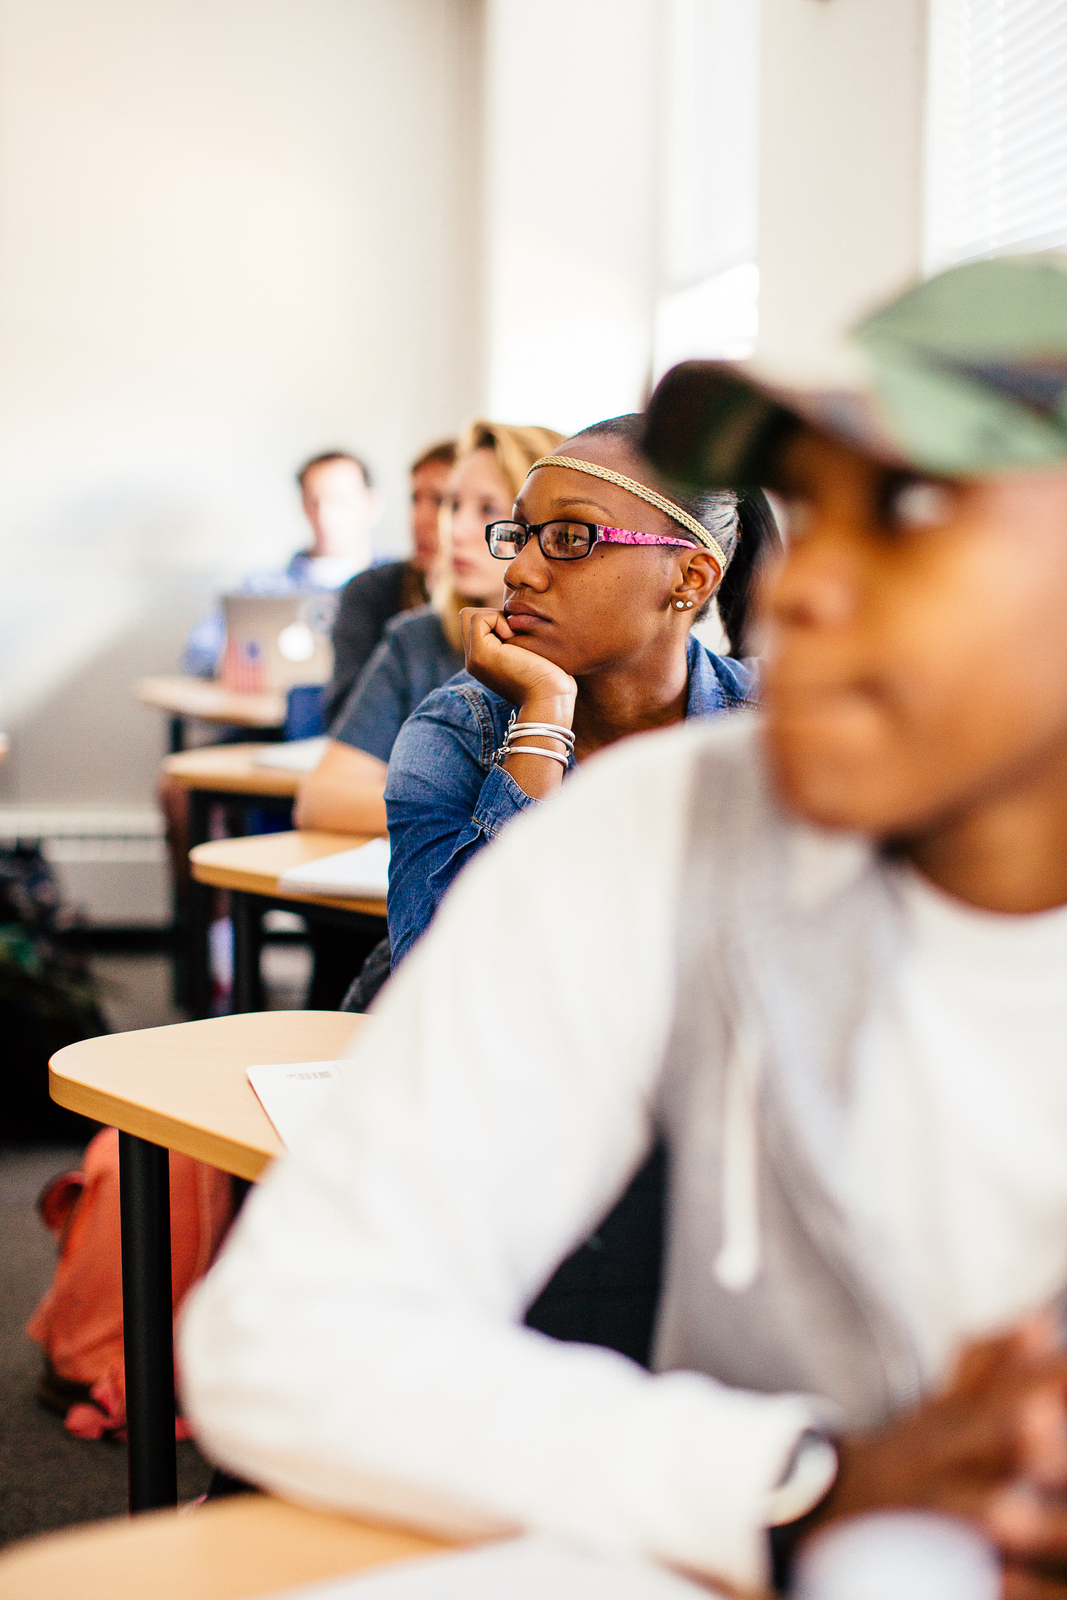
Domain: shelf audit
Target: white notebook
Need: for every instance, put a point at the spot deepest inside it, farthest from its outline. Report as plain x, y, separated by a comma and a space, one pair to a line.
291, 1092
362, 872
296, 755
531, 1568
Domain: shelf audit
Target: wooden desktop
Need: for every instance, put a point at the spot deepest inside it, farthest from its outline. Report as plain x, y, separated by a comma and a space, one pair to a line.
237, 1549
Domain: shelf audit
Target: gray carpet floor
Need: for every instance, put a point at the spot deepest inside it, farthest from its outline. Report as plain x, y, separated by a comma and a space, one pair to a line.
48, 1479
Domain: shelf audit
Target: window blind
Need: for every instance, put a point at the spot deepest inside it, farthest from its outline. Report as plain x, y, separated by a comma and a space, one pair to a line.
996, 135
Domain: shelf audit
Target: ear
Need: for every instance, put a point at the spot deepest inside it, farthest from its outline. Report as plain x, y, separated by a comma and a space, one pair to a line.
698, 577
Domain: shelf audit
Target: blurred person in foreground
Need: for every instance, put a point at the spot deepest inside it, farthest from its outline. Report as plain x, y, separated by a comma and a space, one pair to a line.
342, 506
821, 952
371, 598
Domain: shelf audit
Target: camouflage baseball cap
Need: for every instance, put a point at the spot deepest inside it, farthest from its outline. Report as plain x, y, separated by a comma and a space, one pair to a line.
967, 374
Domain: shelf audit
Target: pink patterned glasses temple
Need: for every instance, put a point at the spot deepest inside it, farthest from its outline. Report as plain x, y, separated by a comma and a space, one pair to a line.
627, 536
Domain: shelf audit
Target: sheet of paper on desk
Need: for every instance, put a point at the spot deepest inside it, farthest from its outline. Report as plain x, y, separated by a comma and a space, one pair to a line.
517, 1569
290, 1092
297, 755
361, 872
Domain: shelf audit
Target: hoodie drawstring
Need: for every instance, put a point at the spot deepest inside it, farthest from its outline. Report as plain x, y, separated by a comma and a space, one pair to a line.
738, 1262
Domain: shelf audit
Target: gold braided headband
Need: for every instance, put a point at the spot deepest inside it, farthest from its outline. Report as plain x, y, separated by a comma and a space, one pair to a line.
649, 496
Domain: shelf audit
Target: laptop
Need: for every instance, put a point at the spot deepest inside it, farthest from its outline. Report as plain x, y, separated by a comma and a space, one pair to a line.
276, 641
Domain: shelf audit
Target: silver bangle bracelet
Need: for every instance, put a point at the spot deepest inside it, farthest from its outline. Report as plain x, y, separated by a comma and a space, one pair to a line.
534, 750
548, 730
542, 730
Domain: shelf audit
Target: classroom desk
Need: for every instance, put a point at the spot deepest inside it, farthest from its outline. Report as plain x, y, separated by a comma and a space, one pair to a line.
228, 769
209, 702
181, 1088
214, 775
235, 1549
251, 868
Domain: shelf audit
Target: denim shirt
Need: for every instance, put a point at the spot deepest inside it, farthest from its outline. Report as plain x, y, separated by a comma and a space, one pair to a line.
445, 799
413, 658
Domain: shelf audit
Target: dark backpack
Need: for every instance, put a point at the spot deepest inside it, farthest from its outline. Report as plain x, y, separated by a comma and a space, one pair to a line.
47, 1000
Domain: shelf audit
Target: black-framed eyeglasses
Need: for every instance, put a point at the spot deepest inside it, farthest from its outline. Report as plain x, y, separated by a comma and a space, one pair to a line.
565, 541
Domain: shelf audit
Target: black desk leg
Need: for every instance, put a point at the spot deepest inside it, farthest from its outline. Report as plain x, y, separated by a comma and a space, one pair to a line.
148, 1322
200, 908
247, 913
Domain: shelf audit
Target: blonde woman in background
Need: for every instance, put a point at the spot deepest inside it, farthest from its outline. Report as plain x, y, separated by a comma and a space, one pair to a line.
422, 649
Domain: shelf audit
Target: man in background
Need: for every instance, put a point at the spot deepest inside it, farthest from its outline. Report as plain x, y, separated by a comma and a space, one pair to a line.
342, 506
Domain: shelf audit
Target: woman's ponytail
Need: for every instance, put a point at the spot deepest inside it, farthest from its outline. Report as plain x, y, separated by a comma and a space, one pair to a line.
757, 538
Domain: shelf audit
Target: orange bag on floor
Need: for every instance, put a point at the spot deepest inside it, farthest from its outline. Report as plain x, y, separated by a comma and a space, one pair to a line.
78, 1324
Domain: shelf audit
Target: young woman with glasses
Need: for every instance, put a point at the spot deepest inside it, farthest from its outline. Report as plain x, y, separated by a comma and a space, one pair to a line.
607, 570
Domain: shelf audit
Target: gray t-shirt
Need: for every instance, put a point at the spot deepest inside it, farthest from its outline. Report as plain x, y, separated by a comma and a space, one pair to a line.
367, 602
413, 658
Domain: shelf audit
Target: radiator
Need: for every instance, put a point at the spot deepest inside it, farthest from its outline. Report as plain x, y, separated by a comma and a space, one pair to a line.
111, 863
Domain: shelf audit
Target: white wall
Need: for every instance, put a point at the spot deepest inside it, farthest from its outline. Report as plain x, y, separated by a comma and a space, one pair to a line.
840, 213
573, 119
232, 232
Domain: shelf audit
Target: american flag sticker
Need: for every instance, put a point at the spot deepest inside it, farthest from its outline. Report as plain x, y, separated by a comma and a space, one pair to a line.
244, 669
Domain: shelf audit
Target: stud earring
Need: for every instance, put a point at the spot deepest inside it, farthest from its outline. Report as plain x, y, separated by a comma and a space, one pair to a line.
684, 605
